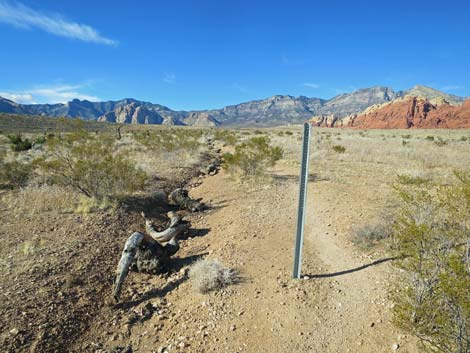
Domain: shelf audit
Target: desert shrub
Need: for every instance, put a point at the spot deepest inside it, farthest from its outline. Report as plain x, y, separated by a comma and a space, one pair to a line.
208, 275
227, 137
170, 140
464, 138
406, 137
253, 157
412, 180
429, 138
371, 234
289, 133
89, 164
432, 237
40, 140
18, 144
339, 148
405, 143
14, 173
440, 142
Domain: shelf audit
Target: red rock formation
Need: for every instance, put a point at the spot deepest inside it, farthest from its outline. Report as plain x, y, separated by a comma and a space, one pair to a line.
414, 113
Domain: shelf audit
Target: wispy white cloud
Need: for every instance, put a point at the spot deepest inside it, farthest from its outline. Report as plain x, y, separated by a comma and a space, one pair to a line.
24, 98
21, 16
169, 77
452, 88
311, 85
49, 94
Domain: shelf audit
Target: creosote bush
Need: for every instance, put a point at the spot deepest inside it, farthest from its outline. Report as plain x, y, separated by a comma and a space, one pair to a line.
339, 149
253, 157
170, 140
228, 137
18, 143
412, 180
89, 164
14, 173
208, 275
432, 237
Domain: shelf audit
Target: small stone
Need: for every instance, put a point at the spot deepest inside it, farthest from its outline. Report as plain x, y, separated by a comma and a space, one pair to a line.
14, 331
233, 328
395, 346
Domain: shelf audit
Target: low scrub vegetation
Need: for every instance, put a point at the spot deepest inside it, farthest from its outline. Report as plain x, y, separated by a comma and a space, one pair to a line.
339, 149
13, 173
371, 234
209, 275
89, 164
170, 140
18, 143
432, 237
228, 137
412, 180
253, 157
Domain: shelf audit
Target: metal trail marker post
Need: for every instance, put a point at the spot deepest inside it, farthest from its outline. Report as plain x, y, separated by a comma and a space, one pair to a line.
302, 201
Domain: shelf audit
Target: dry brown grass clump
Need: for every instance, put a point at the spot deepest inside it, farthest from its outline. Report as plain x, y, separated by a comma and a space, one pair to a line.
34, 199
208, 275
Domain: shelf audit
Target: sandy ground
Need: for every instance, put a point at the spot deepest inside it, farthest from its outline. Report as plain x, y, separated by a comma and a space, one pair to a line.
339, 306
58, 297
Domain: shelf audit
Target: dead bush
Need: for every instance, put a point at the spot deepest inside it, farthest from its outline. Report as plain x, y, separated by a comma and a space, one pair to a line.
371, 234
208, 275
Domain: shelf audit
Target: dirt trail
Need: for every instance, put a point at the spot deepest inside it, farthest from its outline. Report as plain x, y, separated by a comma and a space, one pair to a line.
252, 229
331, 311
356, 315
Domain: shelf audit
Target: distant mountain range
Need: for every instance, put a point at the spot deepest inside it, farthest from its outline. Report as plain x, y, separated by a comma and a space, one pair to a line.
276, 110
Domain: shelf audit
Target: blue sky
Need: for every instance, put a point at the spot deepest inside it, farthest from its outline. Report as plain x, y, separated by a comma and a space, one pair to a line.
207, 54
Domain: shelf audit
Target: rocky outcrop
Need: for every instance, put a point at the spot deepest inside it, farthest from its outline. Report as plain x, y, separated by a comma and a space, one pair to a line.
414, 112
132, 114
201, 119
324, 120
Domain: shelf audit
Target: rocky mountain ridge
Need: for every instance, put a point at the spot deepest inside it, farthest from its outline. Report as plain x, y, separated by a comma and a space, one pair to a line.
272, 111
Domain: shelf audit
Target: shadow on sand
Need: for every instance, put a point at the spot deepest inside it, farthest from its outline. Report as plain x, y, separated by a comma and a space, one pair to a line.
345, 272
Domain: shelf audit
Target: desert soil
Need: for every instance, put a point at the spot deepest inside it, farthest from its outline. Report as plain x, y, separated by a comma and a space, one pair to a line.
340, 304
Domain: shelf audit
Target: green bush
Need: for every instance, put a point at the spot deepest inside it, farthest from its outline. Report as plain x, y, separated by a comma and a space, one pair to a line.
40, 140
18, 144
411, 180
170, 140
252, 157
228, 137
89, 164
432, 237
14, 173
339, 149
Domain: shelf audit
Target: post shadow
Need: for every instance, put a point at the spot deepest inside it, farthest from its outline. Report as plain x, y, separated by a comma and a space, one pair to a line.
345, 272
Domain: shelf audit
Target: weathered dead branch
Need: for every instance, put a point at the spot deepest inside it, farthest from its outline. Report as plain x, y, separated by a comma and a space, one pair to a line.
180, 197
148, 252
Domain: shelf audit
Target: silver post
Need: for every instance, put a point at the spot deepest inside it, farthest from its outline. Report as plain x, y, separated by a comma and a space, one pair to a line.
302, 201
